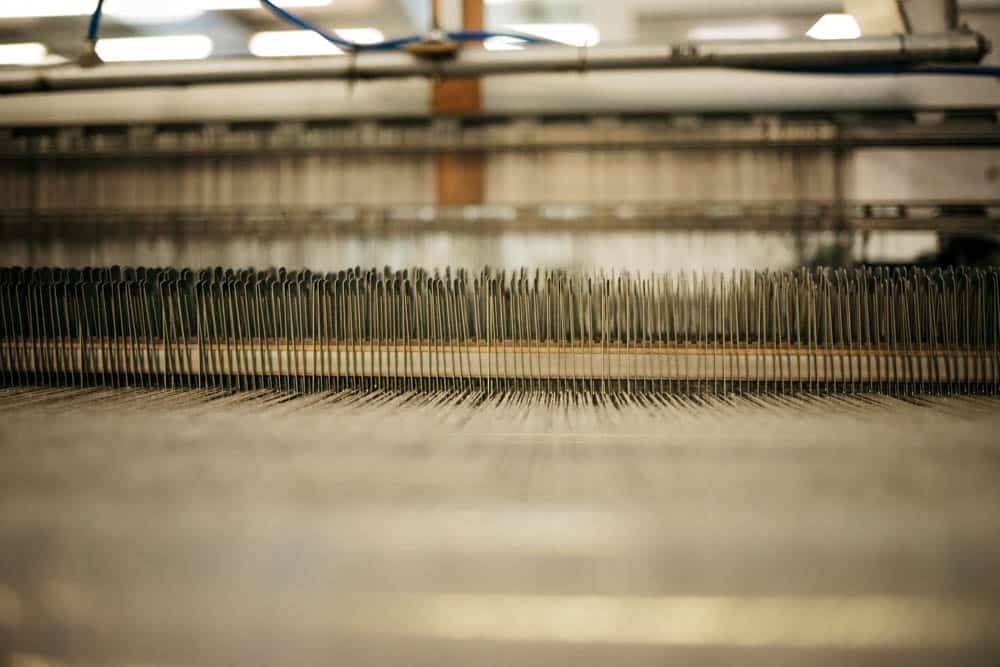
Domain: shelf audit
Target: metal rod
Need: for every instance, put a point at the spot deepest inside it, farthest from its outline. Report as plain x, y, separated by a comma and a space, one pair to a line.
52, 344
792, 54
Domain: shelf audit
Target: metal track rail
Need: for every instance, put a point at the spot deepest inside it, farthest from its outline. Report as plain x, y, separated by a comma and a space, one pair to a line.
394, 364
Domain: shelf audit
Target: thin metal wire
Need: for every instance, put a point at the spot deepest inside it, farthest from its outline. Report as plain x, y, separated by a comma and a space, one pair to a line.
901, 332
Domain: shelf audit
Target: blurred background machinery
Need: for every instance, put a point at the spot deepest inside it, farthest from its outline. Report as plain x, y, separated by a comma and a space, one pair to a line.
699, 168
564, 331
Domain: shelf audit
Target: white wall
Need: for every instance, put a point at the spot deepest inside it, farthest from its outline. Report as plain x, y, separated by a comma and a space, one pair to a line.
914, 174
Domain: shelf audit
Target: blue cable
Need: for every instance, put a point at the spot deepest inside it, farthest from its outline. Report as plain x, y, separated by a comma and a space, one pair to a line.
464, 36
305, 25
479, 35
392, 44
95, 22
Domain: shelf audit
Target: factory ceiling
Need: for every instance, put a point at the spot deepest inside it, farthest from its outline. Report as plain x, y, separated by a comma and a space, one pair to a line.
623, 21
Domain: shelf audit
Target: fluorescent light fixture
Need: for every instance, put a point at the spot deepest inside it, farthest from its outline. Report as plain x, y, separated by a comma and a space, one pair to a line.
503, 44
170, 47
750, 30
574, 34
212, 5
18, 9
132, 8
361, 35
26, 53
835, 26
282, 43
156, 12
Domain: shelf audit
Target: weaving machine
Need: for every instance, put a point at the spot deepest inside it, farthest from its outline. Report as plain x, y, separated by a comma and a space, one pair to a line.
310, 359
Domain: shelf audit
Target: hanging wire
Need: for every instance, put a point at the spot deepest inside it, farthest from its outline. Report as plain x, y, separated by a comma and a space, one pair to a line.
291, 18
399, 42
94, 27
479, 35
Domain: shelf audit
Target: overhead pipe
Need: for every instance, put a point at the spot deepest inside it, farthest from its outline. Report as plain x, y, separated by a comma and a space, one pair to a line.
769, 8
800, 54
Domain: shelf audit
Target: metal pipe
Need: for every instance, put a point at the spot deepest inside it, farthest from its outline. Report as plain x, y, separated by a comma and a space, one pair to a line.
792, 53
663, 91
770, 8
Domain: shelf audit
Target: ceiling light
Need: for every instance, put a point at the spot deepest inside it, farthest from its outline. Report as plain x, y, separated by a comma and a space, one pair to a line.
751, 30
574, 34
835, 26
155, 12
281, 43
26, 53
171, 47
21, 9
127, 8
504, 43
54, 59
361, 35
255, 4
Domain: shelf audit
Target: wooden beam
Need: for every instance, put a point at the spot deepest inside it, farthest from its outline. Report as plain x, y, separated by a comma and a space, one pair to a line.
459, 97
472, 14
461, 176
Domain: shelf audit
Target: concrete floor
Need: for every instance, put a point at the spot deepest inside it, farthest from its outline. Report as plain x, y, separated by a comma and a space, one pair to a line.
185, 528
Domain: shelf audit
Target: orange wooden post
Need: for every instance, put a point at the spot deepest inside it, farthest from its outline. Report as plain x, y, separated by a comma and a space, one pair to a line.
461, 175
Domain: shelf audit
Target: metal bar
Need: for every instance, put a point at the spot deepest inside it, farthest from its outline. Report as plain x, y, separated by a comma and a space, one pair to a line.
118, 222
792, 53
905, 351
794, 136
557, 361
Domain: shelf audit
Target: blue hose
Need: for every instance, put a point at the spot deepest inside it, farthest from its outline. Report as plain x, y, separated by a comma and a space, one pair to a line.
305, 25
463, 36
479, 35
391, 44
95, 22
